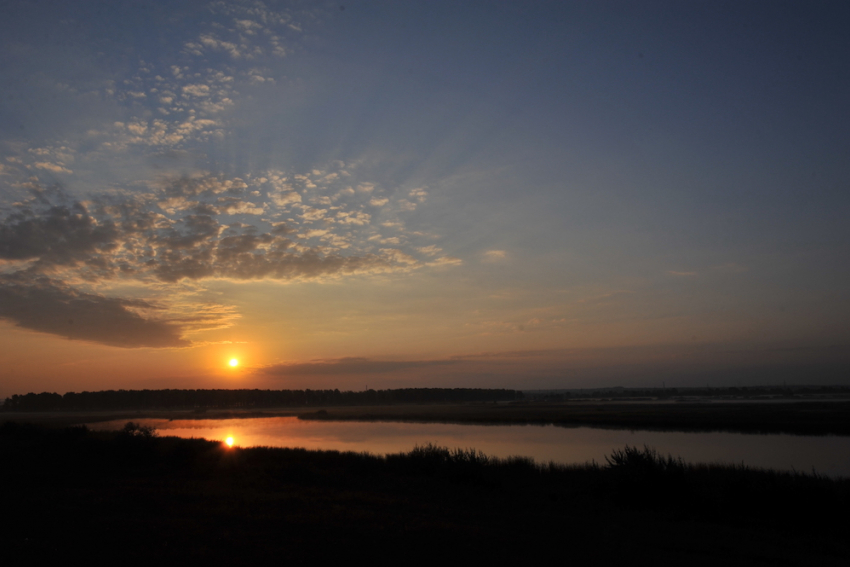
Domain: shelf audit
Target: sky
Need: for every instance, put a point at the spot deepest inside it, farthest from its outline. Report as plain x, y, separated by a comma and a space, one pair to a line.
401, 194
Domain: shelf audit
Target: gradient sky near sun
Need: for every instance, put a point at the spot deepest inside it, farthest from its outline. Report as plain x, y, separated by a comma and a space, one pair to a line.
415, 194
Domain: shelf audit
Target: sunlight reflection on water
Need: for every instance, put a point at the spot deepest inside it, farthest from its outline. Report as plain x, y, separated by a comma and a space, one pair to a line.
829, 455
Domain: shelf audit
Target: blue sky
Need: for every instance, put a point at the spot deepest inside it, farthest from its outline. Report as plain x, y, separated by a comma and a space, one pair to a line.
548, 194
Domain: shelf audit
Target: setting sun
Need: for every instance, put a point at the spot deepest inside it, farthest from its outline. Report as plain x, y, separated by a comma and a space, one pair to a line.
234, 362
229, 441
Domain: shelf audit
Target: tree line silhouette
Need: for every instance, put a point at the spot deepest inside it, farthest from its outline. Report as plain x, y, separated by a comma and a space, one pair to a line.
229, 399
664, 393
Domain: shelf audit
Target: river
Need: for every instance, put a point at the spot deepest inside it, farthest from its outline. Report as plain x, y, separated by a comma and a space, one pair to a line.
827, 455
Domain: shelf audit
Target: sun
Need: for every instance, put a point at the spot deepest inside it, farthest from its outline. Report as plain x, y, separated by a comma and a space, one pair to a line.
229, 441
233, 362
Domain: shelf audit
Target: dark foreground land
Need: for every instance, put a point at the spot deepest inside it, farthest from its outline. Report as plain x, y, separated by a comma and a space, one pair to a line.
129, 497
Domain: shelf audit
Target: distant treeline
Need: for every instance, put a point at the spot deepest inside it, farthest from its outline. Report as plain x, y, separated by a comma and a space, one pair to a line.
665, 393
213, 399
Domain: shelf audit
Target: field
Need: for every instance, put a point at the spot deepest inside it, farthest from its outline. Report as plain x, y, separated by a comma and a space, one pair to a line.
78, 493
133, 497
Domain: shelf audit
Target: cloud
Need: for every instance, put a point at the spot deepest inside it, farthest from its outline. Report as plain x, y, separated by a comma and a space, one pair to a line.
172, 232
313, 214
399, 256
495, 255
49, 307
511, 354
55, 168
233, 206
174, 204
197, 90
247, 26
164, 233
351, 365
356, 217
446, 261
283, 199
179, 234
202, 185
57, 234
681, 274
636, 366
431, 250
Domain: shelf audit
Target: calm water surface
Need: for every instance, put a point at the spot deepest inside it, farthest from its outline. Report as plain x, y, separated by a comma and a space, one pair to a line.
827, 455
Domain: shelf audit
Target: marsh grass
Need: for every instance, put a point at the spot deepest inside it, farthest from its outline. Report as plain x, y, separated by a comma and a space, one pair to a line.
165, 497
632, 459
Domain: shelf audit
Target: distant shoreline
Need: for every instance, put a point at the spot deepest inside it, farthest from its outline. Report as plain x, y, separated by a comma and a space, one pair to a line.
794, 418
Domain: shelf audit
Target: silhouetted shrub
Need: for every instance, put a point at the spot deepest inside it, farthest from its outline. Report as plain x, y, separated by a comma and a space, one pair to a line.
633, 460
132, 429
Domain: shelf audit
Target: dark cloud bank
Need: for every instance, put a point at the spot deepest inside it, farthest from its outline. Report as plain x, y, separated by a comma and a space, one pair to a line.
48, 307
350, 365
673, 365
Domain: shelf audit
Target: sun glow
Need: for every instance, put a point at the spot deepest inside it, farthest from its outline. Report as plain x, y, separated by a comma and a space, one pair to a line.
229, 441
233, 362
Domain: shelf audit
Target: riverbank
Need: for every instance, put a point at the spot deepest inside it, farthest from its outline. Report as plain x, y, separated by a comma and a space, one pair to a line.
796, 418
76, 493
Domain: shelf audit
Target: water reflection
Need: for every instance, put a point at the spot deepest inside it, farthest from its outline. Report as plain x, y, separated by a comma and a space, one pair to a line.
827, 455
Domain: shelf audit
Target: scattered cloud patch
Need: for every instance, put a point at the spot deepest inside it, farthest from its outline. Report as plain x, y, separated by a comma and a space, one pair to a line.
322, 222
54, 167
446, 261
191, 228
431, 250
492, 256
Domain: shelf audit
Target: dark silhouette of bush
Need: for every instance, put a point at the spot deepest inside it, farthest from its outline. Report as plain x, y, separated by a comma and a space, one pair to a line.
132, 429
632, 460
